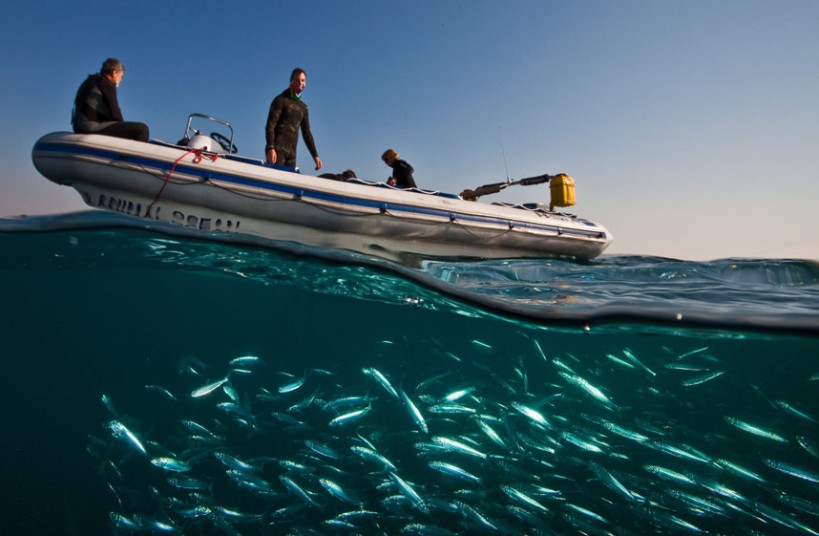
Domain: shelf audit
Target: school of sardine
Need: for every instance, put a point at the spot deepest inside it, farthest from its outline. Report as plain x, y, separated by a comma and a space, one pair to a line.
470, 444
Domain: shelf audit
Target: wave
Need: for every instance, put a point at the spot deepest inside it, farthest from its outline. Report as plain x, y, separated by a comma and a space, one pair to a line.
742, 293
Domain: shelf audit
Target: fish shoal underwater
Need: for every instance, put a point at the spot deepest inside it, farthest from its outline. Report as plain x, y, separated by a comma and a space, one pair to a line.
158, 384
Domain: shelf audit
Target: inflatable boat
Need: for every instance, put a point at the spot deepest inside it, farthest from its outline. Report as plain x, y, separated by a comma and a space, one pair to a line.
200, 182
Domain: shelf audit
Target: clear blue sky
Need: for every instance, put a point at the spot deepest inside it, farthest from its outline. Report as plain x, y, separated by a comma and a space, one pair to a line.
691, 127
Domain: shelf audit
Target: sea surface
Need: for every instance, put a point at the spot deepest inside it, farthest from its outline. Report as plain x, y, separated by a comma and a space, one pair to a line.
159, 381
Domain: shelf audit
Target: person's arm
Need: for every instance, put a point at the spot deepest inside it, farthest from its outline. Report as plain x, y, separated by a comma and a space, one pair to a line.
307, 135
109, 93
270, 130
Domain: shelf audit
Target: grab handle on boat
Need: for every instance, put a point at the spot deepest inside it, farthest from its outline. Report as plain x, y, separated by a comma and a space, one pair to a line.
188, 128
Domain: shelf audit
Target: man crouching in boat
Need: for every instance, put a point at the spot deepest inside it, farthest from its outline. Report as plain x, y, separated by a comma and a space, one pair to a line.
401, 170
96, 108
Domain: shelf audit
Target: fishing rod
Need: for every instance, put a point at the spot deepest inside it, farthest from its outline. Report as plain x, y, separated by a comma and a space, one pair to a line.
495, 187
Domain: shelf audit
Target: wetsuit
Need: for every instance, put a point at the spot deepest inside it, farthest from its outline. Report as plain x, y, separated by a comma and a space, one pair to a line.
96, 110
287, 114
402, 173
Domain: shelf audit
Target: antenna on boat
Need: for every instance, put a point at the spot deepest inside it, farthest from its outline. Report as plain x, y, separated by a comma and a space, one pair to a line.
503, 151
486, 189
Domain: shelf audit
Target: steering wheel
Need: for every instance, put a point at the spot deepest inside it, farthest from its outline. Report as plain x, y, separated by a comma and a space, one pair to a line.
224, 142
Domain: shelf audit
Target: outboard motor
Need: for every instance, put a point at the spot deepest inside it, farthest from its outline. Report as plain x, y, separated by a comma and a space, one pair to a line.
215, 143
205, 143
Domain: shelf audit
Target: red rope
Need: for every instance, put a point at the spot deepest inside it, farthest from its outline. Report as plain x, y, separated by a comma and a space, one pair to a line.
197, 159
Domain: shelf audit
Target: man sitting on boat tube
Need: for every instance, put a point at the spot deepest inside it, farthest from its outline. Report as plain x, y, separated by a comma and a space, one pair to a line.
96, 108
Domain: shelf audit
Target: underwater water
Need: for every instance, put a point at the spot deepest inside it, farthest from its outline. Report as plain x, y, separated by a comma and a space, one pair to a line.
157, 383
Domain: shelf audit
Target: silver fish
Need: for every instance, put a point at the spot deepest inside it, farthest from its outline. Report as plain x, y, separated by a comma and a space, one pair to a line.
738, 470
322, 449
414, 412
249, 480
612, 483
292, 386
338, 492
187, 483
532, 414
686, 453
454, 470
452, 409
586, 512
481, 344
457, 395
233, 462
685, 367
120, 431
586, 386
290, 465
231, 392
633, 359
668, 474
382, 380
795, 411
792, 470
409, 492
457, 446
540, 351
196, 428
297, 490
171, 464
350, 417
579, 442
339, 403
619, 361
161, 526
755, 430
692, 352
303, 404
522, 497
491, 433
697, 380
782, 519
124, 523
208, 388
725, 491
109, 405
372, 455
245, 361
162, 391
470, 512
700, 504
809, 446
624, 432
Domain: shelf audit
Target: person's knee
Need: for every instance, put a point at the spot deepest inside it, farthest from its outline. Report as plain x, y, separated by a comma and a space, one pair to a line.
141, 132
134, 131
137, 131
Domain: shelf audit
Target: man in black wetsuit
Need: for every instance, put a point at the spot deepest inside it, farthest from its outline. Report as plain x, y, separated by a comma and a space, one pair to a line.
96, 108
287, 114
401, 170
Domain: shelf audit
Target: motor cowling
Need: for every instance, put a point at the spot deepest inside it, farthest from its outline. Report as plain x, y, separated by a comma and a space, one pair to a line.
205, 143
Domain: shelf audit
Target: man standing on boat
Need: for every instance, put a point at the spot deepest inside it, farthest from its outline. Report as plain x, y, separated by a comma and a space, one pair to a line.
96, 108
287, 114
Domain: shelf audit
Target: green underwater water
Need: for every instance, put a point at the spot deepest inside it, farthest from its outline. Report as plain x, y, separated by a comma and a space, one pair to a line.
108, 312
